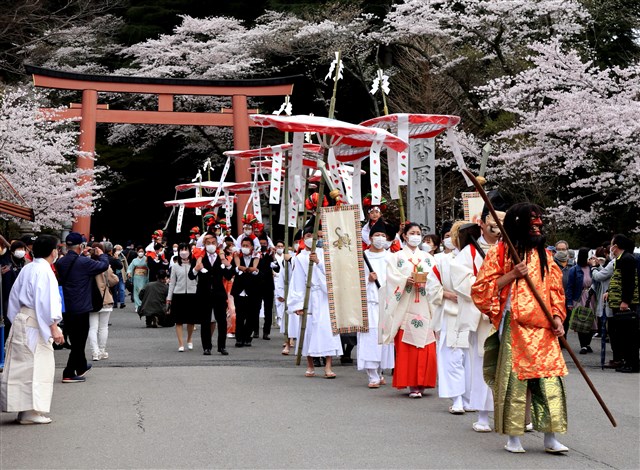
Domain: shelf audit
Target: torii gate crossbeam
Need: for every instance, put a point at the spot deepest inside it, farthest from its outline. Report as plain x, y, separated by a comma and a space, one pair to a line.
166, 89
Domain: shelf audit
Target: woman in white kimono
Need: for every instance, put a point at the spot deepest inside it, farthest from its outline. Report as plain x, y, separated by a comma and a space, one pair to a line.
406, 319
372, 356
319, 340
35, 308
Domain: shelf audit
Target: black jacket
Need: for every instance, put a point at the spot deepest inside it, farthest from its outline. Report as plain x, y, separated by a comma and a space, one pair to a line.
245, 281
76, 280
210, 286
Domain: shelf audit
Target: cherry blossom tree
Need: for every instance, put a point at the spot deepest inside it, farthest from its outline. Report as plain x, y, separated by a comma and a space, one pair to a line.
37, 156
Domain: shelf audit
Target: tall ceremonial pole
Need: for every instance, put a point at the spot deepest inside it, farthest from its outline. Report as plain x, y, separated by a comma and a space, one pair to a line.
536, 294
316, 222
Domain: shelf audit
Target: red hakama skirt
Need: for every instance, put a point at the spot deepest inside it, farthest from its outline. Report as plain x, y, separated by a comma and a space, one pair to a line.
415, 367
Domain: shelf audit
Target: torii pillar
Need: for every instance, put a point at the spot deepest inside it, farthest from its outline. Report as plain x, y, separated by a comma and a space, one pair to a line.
87, 147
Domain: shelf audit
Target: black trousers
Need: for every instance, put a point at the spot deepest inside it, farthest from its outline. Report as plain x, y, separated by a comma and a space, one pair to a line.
267, 298
219, 307
76, 328
623, 332
247, 315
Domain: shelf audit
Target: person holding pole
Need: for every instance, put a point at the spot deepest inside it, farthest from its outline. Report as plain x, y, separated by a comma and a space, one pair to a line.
319, 340
528, 356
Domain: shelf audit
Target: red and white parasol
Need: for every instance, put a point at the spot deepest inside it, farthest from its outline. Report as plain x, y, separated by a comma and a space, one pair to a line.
193, 203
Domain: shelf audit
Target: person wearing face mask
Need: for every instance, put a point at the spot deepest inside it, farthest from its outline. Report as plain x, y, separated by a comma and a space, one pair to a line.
156, 261
11, 263
246, 296
154, 302
431, 244
138, 272
35, 308
472, 327
374, 358
319, 340
284, 263
406, 318
267, 266
248, 220
211, 271
119, 255
454, 368
181, 297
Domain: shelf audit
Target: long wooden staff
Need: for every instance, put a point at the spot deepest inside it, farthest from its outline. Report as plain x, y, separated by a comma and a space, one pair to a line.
316, 224
536, 294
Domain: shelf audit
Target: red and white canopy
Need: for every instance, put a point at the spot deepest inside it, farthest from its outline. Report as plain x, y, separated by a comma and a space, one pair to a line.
421, 126
268, 152
193, 202
235, 188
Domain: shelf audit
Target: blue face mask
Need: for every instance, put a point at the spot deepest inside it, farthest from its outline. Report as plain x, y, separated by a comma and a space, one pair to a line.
319, 243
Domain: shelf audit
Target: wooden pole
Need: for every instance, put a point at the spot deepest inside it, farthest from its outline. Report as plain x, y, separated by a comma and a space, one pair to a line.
286, 248
536, 294
316, 223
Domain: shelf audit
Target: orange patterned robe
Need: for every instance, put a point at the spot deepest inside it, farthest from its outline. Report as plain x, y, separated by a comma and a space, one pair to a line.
536, 350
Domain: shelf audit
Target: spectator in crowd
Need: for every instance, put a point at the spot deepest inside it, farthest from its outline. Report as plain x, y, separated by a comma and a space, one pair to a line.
182, 297
11, 263
579, 293
121, 273
138, 272
154, 301
99, 321
75, 274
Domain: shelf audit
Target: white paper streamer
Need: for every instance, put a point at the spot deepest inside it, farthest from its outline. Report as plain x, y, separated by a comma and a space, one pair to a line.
347, 181
457, 153
180, 216
333, 170
276, 176
198, 194
225, 170
255, 199
295, 167
228, 205
357, 185
293, 213
392, 158
403, 157
374, 157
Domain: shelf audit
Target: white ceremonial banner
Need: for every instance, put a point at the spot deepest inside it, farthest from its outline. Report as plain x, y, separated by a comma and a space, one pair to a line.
403, 157
344, 266
374, 158
255, 199
276, 175
422, 184
295, 167
357, 186
180, 216
394, 182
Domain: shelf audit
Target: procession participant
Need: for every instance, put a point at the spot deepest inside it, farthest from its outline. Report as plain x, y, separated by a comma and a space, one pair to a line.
245, 293
138, 272
372, 356
34, 309
266, 267
194, 235
156, 261
284, 263
211, 270
472, 328
529, 355
431, 243
374, 213
454, 379
319, 340
406, 319
247, 232
181, 297
258, 231
293, 328
156, 237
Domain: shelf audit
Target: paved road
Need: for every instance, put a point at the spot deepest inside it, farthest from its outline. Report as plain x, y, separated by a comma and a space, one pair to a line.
149, 406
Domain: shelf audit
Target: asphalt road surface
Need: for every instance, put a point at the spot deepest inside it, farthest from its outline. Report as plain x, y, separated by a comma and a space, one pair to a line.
150, 406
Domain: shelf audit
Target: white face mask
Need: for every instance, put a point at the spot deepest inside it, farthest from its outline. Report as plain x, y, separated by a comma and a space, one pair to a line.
387, 245
414, 240
184, 254
211, 249
175, 249
308, 242
379, 242
248, 232
246, 251
117, 253
279, 250
426, 247
448, 244
140, 255
19, 254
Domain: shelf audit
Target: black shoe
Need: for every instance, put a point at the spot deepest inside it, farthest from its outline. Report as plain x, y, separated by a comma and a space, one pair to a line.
256, 335
266, 337
89, 366
589, 350
628, 370
122, 305
239, 345
73, 380
348, 360
223, 351
207, 352
584, 350
247, 344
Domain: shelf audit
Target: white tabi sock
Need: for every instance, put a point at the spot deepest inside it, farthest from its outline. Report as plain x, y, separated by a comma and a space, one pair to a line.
514, 445
374, 377
552, 444
483, 418
457, 403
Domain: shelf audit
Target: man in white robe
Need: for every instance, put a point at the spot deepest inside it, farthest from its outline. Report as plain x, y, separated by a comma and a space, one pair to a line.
474, 328
372, 356
319, 340
35, 308
454, 369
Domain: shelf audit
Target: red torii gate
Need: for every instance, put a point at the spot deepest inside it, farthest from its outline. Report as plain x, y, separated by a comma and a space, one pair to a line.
91, 112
